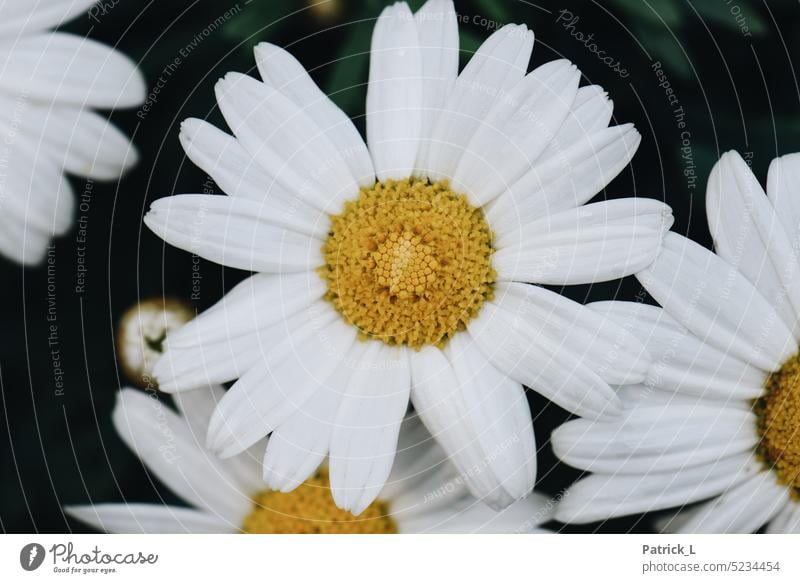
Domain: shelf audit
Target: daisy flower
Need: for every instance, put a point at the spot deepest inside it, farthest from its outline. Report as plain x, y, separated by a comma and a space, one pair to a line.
717, 419
423, 494
397, 269
49, 81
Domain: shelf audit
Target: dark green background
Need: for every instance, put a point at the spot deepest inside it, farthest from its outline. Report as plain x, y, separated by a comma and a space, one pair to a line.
737, 91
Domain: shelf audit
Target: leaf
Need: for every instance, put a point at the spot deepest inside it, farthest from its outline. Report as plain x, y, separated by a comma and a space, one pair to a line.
740, 17
654, 12
663, 47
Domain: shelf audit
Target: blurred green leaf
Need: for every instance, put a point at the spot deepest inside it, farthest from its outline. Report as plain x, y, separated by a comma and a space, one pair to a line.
494, 10
723, 14
663, 47
258, 21
348, 74
655, 12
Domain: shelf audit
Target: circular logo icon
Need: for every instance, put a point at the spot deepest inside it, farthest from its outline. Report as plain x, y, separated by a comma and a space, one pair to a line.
31, 556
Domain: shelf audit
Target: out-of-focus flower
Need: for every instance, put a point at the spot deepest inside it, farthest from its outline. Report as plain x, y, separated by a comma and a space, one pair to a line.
141, 333
49, 83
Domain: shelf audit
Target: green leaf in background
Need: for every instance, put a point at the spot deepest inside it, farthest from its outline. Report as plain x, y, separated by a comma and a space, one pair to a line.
258, 20
494, 10
662, 46
655, 12
348, 74
730, 17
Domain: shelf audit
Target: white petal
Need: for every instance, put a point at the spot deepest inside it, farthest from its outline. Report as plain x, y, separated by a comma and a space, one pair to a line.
239, 175
516, 131
656, 438
682, 362
566, 180
257, 302
234, 232
21, 17
541, 362
437, 29
497, 410
284, 379
714, 301
782, 181
742, 509
286, 142
65, 68
78, 140
394, 93
24, 245
787, 521
592, 243
748, 234
612, 352
603, 496
299, 445
281, 70
476, 518
438, 398
149, 519
590, 113
165, 444
500, 62
364, 439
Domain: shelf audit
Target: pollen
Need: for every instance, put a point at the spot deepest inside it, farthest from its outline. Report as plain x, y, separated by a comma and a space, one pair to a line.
310, 509
778, 414
409, 262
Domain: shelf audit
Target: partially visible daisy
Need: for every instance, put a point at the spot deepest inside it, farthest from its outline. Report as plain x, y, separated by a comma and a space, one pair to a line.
719, 416
399, 270
49, 81
423, 494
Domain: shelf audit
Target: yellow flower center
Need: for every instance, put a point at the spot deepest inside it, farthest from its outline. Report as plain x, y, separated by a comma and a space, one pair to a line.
409, 262
779, 424
310, 509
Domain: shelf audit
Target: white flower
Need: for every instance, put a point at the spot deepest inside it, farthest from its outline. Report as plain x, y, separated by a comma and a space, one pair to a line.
49, 81
718, 418
429, 278
423, 494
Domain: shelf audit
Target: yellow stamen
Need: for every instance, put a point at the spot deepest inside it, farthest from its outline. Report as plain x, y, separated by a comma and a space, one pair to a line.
309, 509
779, 424
409, 262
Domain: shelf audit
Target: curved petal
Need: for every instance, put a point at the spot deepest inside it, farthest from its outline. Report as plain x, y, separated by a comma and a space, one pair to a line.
500, 62
394, 93
590, 113
604, 496
149, 519
437, 29
239, 175
786, 521
656, 438
713, 300
234, 232
566, 180
283, 380
516, 131
438, 399
546, 362
682, 362
286, 142
592, 243
65, 68
743, 509
364, 439
782, 181
748, 234
166, 446
283, 72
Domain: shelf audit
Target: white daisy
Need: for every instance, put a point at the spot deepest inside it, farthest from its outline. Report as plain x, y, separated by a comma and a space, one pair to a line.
418, 246
719, 415
423, 494
49, 81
